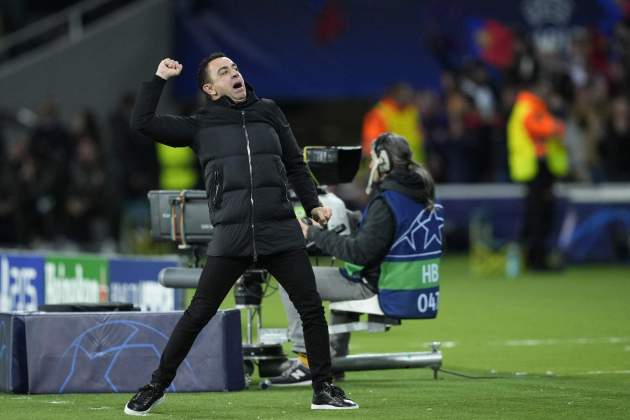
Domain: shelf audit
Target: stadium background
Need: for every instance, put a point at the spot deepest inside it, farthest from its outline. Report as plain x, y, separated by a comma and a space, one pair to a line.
558, 342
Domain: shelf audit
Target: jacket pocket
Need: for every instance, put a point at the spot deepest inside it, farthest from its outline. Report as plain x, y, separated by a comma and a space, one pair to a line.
214, 186
283, 178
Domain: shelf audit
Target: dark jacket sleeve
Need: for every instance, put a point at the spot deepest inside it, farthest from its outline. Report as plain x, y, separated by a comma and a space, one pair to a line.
368, 245
299, 175
171, 130
354, 218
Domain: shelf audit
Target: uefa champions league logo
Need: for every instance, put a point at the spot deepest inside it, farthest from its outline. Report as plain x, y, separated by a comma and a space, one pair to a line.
425, 230
111, 345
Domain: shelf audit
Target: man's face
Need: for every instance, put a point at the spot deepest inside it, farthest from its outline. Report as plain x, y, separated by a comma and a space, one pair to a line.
225, 80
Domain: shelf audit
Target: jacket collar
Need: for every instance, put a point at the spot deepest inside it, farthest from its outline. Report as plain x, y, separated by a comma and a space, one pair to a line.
405, 182
226, 102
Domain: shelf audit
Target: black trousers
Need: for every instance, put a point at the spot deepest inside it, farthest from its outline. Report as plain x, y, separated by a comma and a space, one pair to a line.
293, 271
538, 223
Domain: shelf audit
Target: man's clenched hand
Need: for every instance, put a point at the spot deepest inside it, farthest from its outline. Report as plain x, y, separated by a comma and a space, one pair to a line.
168, 68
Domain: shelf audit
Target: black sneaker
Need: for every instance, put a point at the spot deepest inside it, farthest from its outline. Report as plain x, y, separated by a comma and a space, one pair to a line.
145, 399
295, 375
331, 397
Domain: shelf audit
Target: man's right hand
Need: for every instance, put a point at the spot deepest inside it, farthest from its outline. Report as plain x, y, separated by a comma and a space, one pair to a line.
168, 68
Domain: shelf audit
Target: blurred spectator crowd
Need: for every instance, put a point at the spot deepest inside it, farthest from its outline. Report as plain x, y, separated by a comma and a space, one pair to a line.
81, 185
463, 126
73, 186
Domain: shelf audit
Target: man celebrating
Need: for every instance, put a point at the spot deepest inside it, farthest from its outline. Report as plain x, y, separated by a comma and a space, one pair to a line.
248, 153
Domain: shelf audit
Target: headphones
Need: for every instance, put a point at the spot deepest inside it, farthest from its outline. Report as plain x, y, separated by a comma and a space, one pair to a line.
383, 161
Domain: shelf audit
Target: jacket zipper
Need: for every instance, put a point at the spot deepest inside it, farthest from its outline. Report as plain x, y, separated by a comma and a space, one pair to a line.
251, 185
286, 188
216, 188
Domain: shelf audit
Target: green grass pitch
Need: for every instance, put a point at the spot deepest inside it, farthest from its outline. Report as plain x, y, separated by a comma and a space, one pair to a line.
545, 346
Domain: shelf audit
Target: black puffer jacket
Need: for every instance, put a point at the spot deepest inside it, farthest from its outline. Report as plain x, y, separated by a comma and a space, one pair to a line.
248, 153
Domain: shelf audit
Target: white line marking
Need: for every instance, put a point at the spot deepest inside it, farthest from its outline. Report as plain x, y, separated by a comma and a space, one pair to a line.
442, 344
607, 372
535, 342
561, 341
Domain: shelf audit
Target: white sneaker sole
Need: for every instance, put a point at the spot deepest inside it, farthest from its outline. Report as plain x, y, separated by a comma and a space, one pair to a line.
332, 407
131, 412
303, 383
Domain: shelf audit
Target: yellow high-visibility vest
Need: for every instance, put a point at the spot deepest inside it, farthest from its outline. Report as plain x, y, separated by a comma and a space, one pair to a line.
405, 122
522, 152
178, 167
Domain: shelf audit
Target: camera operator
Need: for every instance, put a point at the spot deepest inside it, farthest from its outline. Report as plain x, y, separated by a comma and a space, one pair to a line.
404, 191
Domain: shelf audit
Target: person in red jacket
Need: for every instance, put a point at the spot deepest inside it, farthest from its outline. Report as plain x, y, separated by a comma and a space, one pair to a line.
537, 157
398, 113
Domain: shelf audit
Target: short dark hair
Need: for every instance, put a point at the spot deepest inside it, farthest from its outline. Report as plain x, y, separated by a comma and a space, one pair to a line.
202, 72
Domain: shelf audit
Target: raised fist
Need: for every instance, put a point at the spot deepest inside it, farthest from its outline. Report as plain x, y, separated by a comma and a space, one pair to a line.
168, 68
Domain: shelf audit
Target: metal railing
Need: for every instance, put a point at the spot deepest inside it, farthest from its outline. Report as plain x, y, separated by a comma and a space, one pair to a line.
66, 24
